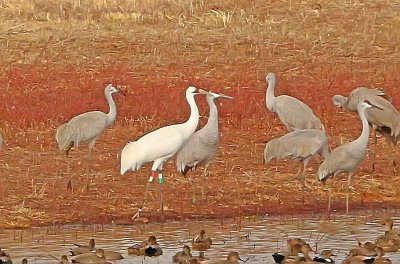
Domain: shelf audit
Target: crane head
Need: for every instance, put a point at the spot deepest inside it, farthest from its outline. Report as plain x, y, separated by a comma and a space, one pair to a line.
111, 89
194, 90
339, 100
270, 76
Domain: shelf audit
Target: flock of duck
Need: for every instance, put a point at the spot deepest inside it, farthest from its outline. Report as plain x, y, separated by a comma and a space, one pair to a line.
86, 254
298, 251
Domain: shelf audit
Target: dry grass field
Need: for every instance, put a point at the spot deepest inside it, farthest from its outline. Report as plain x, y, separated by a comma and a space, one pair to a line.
57, 56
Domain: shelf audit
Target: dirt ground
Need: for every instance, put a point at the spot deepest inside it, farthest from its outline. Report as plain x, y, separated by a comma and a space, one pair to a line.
57, 58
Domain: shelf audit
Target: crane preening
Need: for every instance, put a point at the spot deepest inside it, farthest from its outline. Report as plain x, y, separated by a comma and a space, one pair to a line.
384, 119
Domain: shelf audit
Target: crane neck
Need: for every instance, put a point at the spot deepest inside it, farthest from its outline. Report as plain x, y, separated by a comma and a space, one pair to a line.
362, 140
193, 121
112, 113
270, 94
213, 116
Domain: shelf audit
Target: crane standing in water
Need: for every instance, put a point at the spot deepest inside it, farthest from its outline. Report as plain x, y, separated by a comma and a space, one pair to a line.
346, 157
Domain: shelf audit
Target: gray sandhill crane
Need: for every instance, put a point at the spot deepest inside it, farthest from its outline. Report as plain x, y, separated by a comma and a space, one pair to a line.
160, 145
201, 148
384, 120
86, 128
299, 145
346, 157
292, 112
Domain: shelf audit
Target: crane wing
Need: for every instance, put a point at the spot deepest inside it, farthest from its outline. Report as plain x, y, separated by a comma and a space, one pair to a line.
362, 93
88, 126
304, 143
199, 149
295, 114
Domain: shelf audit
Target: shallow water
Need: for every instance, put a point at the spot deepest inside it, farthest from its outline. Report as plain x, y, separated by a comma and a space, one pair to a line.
254, 239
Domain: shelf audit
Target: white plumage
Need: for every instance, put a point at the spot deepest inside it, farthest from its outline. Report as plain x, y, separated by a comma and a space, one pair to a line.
292, 112
161, 144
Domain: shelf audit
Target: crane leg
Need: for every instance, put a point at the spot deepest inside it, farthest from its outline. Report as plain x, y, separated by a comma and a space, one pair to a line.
148, 184
191, 182
161, 184
348, 193
203, 183
392, 159
374, 151
330, 197
86, 184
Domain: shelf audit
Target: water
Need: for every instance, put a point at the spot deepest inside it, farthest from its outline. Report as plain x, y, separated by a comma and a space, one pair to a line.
254, 239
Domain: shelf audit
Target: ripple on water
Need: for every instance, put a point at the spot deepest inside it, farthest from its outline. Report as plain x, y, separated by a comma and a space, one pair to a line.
255, 241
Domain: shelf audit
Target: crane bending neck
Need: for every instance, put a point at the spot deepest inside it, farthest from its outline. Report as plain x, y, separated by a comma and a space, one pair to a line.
112, 113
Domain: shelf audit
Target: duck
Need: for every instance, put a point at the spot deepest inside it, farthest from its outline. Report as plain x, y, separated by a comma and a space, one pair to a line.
112, 255
5, 257
182, 256
5, 260
387, 244
24, 261
97, 257
201, 242
380, 259
305, 250
354, 258
80, 249
291, 256
147, 248
232, 258
64, 260
367, 250
389, 231
325, 256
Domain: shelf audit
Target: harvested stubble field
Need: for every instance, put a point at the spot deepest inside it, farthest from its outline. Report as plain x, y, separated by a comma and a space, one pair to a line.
57, 56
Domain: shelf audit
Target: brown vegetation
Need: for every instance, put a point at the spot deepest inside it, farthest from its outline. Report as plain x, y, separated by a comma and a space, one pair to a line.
57, 56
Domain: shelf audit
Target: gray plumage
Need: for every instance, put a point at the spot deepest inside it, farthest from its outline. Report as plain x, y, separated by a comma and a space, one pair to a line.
87, 127
299, 145
201, 148
292, 112
346, 157
384, 119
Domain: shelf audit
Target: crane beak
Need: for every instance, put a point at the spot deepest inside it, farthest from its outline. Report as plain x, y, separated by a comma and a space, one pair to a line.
225, 96
122, 91
216, 95
201, 91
